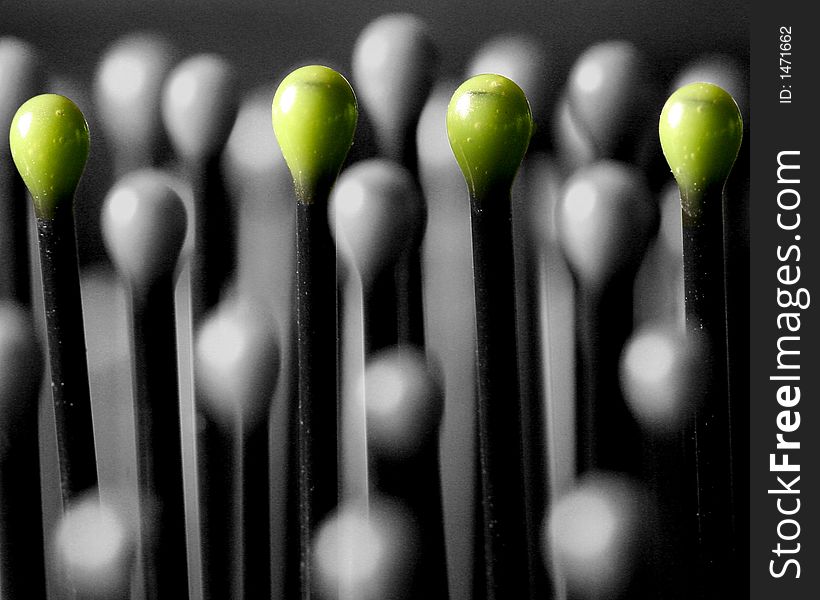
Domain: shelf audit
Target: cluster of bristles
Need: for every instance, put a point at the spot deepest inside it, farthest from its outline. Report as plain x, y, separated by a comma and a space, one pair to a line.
423, 397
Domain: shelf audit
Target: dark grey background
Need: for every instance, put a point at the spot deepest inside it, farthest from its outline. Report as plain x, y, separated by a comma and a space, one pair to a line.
264, 37
780, 127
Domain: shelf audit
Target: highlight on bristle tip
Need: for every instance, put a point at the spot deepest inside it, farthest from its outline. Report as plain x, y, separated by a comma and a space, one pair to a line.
596, 533
237, 363
199, 105
663, 374
609, 88
700, 130
489, 125
365, 551
314, 115
144, 226
128, 87
376, 212
94, 546
394, 68
49, 143
404, 402
604, 219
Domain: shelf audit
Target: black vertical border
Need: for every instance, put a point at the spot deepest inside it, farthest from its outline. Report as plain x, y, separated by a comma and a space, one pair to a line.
780, 127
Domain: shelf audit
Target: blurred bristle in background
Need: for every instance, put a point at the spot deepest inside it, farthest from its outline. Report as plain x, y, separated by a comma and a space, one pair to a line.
416, 381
